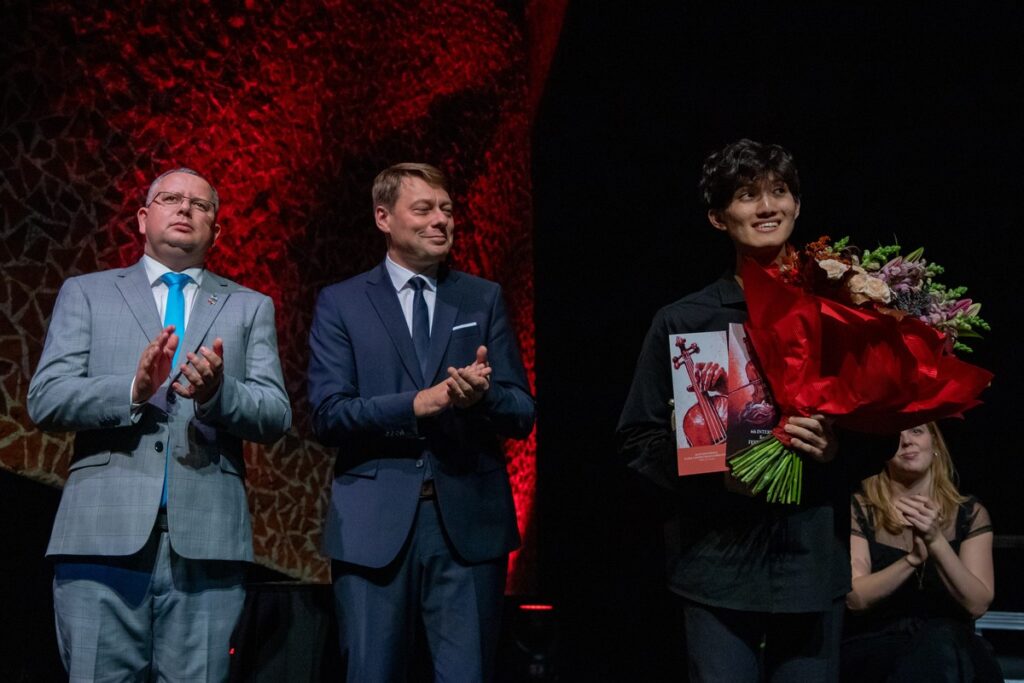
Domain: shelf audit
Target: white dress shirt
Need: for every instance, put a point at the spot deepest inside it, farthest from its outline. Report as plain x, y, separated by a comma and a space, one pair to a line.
155, 270
400, 279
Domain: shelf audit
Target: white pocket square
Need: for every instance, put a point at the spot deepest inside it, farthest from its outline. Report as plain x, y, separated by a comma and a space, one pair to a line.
463, 325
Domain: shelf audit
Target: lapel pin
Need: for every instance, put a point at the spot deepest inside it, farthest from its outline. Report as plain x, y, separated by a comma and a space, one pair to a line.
212, 300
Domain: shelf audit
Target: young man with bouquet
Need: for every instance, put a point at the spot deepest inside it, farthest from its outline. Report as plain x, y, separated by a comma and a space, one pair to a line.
748, 571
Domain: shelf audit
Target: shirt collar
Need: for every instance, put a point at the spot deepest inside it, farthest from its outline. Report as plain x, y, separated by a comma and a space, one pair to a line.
400, 275
729, 291
155, 269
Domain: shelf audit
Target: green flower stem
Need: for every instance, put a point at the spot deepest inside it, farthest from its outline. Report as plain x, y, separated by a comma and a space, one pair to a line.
755, 466
749, 463
770, 467
752, 460
773, 475
779, 491
770, 494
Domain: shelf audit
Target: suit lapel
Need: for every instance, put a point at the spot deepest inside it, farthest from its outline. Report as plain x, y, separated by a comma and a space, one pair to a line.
446, 309
385, 301
210, 299
138, 294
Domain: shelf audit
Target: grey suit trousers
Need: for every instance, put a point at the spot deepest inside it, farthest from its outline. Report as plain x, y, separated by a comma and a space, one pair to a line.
151, 616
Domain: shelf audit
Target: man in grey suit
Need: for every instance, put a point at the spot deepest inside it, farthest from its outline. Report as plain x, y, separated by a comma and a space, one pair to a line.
153, 527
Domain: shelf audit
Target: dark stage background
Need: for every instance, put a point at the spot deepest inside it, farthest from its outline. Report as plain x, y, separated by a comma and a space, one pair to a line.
905, 122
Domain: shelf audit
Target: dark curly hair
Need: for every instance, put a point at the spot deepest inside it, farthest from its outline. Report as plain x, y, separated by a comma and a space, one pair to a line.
743, 162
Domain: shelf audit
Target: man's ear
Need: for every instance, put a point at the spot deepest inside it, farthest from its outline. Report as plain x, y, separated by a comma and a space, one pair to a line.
381, 216
142, 215
715, 218
216, 233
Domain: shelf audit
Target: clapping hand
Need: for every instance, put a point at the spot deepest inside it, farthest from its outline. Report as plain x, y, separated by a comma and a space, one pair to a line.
204, 372
462, 388
922, 516
467, 385
154, 365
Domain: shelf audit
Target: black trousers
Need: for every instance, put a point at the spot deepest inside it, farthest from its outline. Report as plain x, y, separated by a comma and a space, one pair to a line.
927, 651
726, 645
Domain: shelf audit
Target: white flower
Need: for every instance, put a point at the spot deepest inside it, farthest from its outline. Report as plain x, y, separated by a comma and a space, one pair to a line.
834, 269
866, 288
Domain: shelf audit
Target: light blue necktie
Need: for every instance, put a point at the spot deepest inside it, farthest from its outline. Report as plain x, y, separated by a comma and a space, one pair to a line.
420, 324
174, 314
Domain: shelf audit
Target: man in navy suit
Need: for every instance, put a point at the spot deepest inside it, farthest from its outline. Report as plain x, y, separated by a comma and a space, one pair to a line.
415, 376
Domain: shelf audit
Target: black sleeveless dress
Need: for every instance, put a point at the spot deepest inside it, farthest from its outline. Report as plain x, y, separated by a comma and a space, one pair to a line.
919, 632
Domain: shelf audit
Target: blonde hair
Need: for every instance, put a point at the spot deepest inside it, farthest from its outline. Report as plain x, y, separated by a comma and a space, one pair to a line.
388, 183
878, 489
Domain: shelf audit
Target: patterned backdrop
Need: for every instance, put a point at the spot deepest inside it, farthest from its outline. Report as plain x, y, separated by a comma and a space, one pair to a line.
290, 109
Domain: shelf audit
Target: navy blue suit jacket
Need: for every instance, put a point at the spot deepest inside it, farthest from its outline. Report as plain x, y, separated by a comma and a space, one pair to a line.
363, 376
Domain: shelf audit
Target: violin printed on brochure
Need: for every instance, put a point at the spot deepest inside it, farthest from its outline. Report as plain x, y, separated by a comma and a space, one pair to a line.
700, 364
721, 402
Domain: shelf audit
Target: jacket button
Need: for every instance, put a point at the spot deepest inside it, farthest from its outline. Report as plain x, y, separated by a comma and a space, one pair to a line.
158, 446
419, 463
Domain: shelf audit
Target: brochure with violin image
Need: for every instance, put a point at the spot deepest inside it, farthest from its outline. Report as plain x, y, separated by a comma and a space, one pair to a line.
752, 413
700, 375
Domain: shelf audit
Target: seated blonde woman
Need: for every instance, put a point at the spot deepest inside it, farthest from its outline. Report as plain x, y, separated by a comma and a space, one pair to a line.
921, 556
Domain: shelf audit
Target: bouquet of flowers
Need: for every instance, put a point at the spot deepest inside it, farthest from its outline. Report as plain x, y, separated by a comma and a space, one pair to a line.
864, 336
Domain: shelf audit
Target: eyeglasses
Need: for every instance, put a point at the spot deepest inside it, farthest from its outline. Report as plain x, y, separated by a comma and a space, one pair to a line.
173, 199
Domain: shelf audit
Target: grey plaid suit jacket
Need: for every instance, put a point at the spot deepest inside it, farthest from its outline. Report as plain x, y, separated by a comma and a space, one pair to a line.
101, 324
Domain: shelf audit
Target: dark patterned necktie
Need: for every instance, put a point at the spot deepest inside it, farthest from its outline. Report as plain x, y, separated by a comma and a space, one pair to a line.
420, 324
